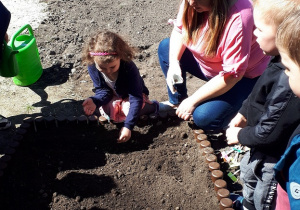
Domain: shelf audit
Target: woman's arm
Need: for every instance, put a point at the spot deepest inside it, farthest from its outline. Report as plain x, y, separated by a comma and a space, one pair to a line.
213, 88
176, 50
176, 47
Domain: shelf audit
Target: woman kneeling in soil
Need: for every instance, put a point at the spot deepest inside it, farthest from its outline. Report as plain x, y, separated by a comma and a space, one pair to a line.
120, 91
213, 40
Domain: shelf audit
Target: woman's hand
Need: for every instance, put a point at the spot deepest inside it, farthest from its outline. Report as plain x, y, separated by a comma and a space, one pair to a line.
174, 76
232, 135
186, 109
238, 121
88, 106
125, 135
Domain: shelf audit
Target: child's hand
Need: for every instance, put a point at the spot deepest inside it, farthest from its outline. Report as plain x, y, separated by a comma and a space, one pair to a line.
125, 135
88, 106
238, 121
232, 135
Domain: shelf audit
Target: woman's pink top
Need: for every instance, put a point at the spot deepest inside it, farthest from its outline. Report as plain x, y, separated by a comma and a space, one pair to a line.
238, 52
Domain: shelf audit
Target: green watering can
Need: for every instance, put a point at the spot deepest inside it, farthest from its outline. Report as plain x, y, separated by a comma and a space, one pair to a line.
28, 58
8, 65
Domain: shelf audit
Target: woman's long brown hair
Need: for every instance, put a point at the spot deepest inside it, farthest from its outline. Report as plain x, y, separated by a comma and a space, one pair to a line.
193, 22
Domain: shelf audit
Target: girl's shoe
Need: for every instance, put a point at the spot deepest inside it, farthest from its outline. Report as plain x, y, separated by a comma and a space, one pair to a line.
166, 106
156, 106
4, 123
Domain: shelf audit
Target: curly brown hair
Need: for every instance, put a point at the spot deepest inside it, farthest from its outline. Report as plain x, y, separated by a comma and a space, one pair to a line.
110, 42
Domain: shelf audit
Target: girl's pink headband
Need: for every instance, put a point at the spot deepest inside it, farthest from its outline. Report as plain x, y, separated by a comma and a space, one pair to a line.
102, 53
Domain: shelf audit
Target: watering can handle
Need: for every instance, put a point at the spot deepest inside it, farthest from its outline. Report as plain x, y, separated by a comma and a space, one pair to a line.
27, 26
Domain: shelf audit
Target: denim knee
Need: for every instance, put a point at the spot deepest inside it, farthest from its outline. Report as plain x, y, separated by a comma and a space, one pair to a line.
206, 121
163, 46
163, 54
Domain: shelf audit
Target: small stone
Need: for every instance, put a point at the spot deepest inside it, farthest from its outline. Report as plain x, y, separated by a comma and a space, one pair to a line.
183, 135
78, 198
55, 200
52, 52
159, 123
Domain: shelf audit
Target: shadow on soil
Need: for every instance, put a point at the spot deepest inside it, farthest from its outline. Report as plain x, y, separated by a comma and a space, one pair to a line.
52, 76
43, 161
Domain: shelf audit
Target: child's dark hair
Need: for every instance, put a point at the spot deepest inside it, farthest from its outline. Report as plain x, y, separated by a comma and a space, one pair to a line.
109, 43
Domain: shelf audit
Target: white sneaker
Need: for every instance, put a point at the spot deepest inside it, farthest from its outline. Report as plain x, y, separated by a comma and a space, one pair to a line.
166, 106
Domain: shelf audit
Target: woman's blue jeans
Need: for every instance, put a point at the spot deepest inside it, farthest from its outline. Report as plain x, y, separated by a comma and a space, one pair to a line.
216, 113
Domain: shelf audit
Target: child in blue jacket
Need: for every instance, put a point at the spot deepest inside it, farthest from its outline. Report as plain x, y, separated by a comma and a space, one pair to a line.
288, 168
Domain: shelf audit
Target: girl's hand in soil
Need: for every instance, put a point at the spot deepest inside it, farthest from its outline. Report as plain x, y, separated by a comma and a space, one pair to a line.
88, 106
238, 121
185, 109
125, 135
232, 135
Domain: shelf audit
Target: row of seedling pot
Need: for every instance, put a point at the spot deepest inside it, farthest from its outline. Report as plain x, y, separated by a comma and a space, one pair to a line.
216, 174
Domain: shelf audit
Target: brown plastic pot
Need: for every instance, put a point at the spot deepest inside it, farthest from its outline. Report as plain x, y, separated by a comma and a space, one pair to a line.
82, 120
61, 121
219, 184
214, 166
28, 120
204, 144
211, 158
102, 120
93, 120
216, 174
39, 123
225, 203
222, 193
197, 132
201, 137
207, 150
50, 122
